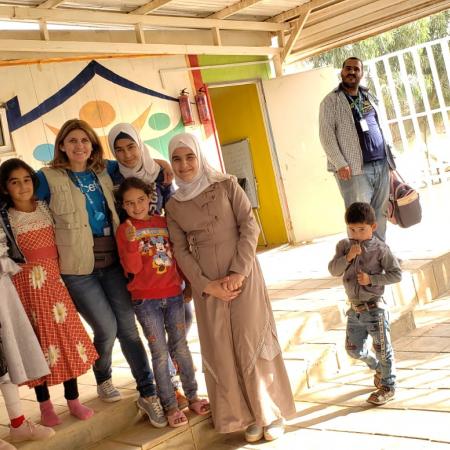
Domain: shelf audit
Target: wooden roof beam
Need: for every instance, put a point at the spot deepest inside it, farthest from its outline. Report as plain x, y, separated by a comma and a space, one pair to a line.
233, 9
295, 33
48, 4
114, 48
150, 6
299, 10
89, 17
363, 30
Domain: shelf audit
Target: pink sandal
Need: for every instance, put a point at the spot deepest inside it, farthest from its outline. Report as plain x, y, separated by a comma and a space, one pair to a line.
200, 407
177, 419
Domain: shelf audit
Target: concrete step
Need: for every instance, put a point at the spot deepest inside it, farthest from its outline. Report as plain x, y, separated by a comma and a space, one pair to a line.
310, 320
309, 364
198, 434
77, 434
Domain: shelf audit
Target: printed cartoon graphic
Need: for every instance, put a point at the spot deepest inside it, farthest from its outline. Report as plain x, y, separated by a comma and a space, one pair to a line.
162, 257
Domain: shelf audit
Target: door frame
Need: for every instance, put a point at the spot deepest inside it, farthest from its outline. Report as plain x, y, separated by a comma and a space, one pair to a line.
272, 149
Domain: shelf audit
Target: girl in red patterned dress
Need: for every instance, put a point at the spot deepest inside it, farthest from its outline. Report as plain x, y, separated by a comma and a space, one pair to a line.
63, 339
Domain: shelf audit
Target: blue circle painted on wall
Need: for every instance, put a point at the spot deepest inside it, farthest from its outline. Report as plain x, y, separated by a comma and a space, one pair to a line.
44, 152
159, 121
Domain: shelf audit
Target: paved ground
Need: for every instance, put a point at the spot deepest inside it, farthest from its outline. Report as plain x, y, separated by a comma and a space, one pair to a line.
334, 414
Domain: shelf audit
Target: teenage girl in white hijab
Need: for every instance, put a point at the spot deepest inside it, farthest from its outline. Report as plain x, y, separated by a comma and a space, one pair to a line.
206, 175
214, 235
134, 160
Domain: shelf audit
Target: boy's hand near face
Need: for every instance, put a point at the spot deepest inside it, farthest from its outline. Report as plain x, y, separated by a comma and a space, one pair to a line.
355, 250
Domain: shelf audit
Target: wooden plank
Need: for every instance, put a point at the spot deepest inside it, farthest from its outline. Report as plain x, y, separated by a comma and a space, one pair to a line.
43, 30
140, 36
299, 10
113, 48
362, 24
80, 16
311, 47
216, 36
233, 9
50, 4
150, 6
296, 30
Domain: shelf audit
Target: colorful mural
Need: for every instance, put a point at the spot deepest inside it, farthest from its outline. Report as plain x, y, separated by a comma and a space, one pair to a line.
157, 121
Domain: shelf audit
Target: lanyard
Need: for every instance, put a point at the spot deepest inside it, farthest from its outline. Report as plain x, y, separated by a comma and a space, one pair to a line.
99, 215
357, 104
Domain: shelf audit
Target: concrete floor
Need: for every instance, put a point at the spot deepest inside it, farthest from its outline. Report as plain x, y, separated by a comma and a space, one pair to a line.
333, 413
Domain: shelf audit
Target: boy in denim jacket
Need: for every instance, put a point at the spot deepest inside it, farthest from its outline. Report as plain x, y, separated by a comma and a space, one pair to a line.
367, 265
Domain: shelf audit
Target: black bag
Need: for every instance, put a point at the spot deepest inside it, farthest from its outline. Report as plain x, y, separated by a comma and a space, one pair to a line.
404, 207
105, 251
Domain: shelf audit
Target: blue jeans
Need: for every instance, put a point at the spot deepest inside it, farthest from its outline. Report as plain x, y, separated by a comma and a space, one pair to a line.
188, 317
104, 302
376, 323
157, 316
370, 187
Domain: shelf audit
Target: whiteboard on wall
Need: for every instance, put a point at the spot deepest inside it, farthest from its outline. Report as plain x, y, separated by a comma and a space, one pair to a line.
238, 162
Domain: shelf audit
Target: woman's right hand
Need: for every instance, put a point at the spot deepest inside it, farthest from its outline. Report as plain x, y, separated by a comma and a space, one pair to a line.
216, 289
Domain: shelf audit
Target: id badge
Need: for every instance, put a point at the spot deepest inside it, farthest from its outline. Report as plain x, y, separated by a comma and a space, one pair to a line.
107, 231
364, 126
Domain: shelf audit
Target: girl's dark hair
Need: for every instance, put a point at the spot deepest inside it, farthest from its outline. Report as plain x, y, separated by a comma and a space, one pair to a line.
132, 183
360, 212
6, 168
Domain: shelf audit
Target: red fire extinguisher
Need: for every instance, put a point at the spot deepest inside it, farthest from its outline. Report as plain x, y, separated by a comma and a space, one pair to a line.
185, 108
202, 105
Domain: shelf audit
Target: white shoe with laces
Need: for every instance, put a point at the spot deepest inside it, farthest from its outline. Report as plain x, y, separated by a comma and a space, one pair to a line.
107, 392
30, 431
155, 412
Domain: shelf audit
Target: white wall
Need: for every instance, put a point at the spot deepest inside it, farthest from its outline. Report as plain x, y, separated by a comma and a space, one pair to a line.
314, 202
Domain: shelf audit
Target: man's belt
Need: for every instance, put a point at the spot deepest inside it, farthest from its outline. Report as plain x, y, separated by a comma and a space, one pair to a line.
367, 306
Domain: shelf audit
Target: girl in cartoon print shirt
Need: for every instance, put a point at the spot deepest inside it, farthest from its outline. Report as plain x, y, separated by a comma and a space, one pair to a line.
156, 290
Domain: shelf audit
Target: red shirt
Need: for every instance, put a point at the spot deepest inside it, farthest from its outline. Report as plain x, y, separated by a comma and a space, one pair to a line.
150, 259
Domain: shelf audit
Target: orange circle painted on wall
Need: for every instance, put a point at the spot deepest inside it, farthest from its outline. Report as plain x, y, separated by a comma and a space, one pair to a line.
97, 113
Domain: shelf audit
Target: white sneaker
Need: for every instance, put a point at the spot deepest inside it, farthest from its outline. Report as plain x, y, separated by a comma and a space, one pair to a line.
254, 433
30, 431
155, 412
107, 392
274, 431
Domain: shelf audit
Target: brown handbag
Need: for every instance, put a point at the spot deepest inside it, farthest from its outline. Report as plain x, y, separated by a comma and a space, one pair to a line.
105, 251
404, 207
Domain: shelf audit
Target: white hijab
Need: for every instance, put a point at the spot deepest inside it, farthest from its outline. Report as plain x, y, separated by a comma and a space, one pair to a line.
147, 169
206, 175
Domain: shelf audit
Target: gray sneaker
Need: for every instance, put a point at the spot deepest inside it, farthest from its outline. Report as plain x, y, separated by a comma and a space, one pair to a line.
107, 392
152, 407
